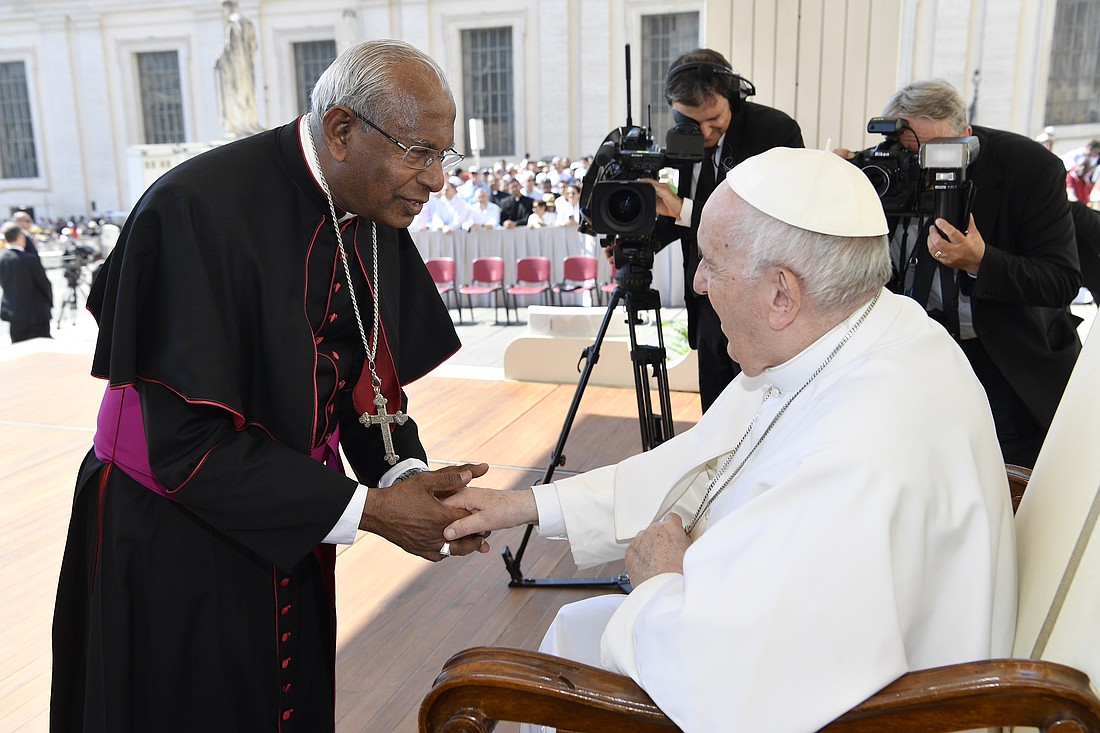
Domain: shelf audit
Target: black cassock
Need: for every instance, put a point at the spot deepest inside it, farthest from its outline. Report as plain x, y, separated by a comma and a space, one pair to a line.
207, 605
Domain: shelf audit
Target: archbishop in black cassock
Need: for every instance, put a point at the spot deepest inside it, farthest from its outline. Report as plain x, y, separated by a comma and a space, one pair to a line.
196, 593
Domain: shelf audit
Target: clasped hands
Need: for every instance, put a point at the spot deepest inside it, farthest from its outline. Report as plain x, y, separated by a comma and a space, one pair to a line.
659, 548
412, 514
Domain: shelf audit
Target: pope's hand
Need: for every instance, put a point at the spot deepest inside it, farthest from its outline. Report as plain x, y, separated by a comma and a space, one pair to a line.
659, 548
411, 513
490, 509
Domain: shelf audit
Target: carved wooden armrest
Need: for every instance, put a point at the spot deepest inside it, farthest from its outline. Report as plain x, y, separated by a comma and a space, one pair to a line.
483, 685
997, 692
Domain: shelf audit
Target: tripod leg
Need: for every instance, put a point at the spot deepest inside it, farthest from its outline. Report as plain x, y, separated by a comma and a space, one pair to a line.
655, 428
591, 355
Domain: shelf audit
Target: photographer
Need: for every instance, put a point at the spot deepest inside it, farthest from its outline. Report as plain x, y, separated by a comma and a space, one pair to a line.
702, 87
1002, 288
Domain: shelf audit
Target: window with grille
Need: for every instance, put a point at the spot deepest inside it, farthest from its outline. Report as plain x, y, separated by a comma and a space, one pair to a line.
161, 98
310, 60
17, 156
664, 38
1073, 89
487, 91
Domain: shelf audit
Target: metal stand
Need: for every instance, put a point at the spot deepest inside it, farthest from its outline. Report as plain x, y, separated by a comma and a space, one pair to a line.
71, 304
655, 427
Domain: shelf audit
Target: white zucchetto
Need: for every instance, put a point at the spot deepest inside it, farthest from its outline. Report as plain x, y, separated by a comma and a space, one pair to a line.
810, 189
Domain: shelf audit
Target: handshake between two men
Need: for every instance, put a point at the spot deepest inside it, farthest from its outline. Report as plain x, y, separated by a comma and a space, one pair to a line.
474, 513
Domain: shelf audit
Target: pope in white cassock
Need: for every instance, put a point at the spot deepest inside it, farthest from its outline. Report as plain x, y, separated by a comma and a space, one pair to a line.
839, 517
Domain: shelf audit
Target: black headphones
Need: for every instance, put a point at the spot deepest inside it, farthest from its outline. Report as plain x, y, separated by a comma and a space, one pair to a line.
707, 70
704, 69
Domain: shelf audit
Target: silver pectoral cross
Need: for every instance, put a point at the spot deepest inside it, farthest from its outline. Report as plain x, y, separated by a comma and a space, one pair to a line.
384, 420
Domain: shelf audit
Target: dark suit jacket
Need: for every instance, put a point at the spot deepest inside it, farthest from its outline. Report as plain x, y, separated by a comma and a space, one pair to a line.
756, 128
28, 295
1087, 223
1030, 271
517, 210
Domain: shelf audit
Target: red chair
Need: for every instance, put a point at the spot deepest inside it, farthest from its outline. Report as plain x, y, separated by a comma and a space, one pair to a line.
532, 278
487, 276
442, 270
578, 275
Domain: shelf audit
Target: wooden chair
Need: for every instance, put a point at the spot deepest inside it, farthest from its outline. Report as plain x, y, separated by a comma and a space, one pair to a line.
532, 278
487, 278
442, 270
578, 275
1045, 685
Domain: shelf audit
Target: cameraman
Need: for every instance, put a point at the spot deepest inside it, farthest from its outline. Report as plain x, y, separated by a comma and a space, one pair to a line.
701, 86
1003, 287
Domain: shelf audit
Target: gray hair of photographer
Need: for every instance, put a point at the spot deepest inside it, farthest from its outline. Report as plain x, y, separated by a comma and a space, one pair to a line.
934, 99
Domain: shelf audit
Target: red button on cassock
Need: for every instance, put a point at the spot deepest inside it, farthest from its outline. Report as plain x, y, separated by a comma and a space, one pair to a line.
285, 610
286, 662
288, 713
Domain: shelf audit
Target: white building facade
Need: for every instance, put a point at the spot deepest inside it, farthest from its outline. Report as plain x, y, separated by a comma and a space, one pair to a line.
99, 97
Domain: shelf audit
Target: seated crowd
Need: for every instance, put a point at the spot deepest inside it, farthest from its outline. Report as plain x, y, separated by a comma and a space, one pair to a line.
530, 193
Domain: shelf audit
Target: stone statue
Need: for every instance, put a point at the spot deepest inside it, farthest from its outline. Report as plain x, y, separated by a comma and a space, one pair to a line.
236, 74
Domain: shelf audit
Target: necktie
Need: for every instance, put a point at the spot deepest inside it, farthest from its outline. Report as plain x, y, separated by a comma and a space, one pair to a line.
705, 185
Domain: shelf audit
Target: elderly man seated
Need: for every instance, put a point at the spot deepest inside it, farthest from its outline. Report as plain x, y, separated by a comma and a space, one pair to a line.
839, 517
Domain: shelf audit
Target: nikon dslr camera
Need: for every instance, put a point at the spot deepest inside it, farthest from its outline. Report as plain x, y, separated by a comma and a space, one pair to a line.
931, 181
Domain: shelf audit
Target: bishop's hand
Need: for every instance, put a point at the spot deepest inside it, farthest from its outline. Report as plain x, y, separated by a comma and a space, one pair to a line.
410, 514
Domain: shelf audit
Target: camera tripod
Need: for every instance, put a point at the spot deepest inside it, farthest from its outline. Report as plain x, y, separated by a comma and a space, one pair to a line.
71, 304
655, 427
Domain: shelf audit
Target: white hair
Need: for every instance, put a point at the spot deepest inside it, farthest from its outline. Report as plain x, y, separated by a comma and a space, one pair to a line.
360, 78
835, 272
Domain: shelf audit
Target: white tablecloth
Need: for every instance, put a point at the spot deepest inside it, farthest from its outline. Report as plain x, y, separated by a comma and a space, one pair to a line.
553, 242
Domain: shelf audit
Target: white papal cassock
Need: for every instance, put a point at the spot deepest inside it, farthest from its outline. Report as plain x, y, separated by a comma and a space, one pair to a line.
869, 535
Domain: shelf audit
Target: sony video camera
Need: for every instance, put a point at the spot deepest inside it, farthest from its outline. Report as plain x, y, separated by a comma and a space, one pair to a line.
614, 202
931, 181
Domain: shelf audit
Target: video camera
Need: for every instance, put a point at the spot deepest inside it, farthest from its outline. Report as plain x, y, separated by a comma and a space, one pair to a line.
616, 203
931, 181
75, 258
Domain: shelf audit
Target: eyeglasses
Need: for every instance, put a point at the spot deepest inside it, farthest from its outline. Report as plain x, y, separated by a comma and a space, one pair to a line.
419, 157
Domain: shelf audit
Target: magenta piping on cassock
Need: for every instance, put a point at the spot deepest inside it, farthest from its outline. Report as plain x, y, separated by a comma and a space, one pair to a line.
120, 440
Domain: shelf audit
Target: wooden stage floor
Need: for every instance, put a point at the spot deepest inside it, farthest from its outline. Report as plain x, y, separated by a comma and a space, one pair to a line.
400, 617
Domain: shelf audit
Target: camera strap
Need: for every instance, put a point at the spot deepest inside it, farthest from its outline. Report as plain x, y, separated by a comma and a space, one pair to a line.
907, 261
919, 275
